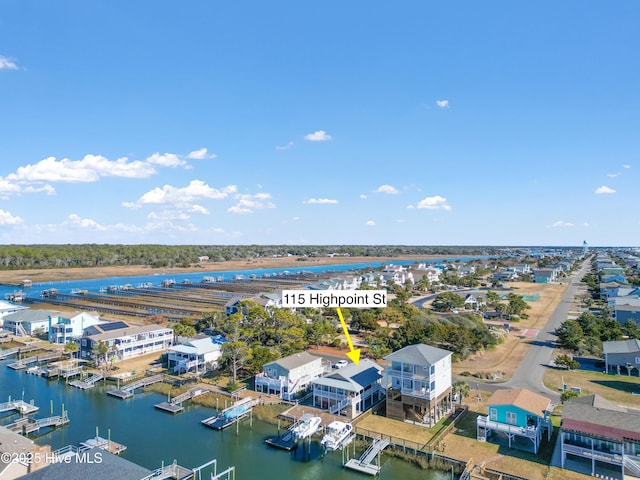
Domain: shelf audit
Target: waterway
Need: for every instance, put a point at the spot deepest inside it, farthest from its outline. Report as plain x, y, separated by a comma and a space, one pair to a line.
153, 436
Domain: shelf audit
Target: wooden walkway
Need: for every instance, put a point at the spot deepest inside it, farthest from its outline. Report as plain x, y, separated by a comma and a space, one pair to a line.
19, 406
28, 425
88, 383
175, 404
128, 390
365, 463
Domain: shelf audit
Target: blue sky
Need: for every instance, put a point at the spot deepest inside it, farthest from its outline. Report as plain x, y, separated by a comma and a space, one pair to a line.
424, 123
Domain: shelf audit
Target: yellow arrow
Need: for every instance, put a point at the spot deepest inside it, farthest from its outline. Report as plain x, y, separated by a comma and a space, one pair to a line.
353, 354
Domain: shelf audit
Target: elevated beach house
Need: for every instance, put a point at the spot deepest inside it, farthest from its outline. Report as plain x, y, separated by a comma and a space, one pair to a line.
288, 376
622, 354
62, 330
599, 436
350, 390
125, 341
28, 322
418, 382
517, 417
195, 355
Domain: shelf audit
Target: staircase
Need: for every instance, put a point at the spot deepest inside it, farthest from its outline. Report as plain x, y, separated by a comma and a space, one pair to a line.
339, 406
632, 465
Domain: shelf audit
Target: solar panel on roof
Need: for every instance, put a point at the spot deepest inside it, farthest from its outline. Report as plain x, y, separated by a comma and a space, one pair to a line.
107, 327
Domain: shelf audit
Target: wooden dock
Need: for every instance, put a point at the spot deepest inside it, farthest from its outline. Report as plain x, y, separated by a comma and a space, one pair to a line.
19, 406
128, 390
28, 425
103, 444
88, 383
175, 404
35, 359
4, 354
365, 464
286, 441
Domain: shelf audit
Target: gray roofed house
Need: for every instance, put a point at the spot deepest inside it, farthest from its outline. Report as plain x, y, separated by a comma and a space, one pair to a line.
290, 375
350, 390
28, 321
11, 445
622, 354
94, 463
594, 428
418, 383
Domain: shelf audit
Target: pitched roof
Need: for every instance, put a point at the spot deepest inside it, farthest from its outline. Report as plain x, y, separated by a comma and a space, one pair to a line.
123, 332
596, 416
353, 378
30, 315
294, 361
621, 346
522, 398
418, 354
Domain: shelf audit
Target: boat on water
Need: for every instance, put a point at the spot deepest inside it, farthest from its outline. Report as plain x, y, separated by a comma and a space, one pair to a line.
306, 426
337, 434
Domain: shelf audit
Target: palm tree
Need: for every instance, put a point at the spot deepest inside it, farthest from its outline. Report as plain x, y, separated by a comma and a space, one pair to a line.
461, 388
71, 348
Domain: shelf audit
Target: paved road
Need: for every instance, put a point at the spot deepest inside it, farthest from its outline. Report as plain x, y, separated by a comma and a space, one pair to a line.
530, 373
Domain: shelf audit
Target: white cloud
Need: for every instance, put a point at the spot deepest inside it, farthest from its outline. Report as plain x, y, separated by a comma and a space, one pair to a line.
363, 196
626, 166
371, 223
89, 169
248, 203
391, 190
433, 203
166, 160
586, 224
85, 222
196, 190
7, 219
201, 154
322, 201
442, 103
295, 219
612, 175
7, 63
603, 190
561, 223
285, 147
199, 209
318, 136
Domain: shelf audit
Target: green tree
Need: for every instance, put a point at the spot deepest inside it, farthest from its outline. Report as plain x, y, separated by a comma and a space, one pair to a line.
71, 348
565, 361
99, 352
568, 395
493, 299
461, 389
517, 304
447, 301
236, 354
570, 335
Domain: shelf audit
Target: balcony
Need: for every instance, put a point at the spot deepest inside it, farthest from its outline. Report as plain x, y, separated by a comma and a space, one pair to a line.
273, 383
586, 452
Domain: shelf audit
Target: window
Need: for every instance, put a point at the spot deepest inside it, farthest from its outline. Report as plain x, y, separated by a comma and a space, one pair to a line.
637, 360
84, 342
493, 414
432, 370
512, 418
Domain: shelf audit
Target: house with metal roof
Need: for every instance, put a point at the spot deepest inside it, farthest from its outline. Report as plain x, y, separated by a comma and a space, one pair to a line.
62, 330
197, 355
599, 435
15, 446
290, 375
350, 390
418, 383
517, 417
622, 354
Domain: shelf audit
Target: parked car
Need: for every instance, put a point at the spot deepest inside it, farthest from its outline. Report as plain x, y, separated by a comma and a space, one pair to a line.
341, 364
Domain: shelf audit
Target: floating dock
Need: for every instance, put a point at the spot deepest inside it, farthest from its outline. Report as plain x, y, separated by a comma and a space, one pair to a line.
175, 404
103, 444
28, 425
88, 383
231, 415
19, 406
286, 441
365, 464
128, 390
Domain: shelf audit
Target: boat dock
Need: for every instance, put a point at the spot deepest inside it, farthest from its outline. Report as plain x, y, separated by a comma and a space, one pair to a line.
25, 362
28, 425
175, 404
88, 383
19, 406
103, 444
128, 390
4, 354
232, 414
365, 463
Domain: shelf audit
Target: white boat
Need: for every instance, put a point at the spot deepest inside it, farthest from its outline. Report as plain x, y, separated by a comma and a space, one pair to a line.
307, 426
337, 433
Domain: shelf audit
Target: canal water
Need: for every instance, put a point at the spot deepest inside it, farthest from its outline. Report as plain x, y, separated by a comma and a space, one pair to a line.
153, 436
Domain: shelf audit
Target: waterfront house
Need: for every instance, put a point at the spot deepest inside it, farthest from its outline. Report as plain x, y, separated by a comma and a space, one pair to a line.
350, 390
125, 341
622, 353
62, 330
288, 376
197, 355
596, 433
418, 383
28, 322
266, 301
7, 308
517, 417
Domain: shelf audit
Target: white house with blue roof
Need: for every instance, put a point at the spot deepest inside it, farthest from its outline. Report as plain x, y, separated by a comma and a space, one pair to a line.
418, 383
351, 390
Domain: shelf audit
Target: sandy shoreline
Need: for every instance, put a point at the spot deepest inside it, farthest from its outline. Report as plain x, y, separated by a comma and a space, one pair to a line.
15, 277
